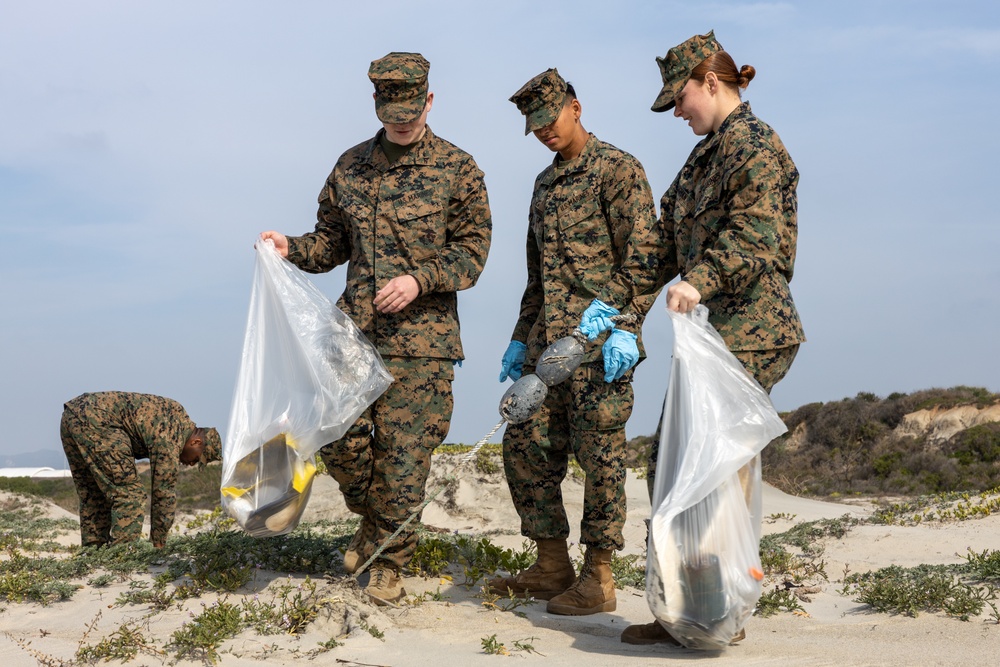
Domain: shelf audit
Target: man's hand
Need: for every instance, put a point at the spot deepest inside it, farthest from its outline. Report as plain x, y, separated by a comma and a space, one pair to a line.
280, 242
397, 294
620, 354
597, 318
512, 363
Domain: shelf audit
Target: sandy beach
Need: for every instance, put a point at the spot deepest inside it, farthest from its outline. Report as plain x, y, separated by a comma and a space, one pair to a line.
448, 625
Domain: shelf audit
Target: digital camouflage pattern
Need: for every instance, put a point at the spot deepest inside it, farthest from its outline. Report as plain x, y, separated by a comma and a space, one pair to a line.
591, 235
400, 81
383, 462
212, 447
584, 417
729, 226
541, 100
426, 215
677, 65
103, 434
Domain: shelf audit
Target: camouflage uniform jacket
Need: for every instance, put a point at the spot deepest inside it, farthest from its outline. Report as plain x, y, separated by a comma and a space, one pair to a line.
157, 429
426, 215
590, 235
730, 227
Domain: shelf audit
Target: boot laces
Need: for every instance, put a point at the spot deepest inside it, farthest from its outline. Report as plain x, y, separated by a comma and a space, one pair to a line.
585, 571
380, 576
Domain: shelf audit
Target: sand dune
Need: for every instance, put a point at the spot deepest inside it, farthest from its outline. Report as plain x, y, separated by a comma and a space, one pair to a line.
832, 631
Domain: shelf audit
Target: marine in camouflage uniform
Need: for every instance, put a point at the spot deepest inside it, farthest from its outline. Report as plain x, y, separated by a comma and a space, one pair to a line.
590, 228
103, 434
729, 227
405, 210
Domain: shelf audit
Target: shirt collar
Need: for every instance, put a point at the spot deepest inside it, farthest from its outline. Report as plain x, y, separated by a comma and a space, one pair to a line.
580, 163
713, 138
422, 153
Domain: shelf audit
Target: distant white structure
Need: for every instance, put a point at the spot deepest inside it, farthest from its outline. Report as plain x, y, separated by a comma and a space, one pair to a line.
41, 472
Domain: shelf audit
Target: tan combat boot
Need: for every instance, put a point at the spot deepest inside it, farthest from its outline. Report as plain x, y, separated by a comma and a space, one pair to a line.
592, 592
648, 633
551, 574
654, 633
360, 547
385, 586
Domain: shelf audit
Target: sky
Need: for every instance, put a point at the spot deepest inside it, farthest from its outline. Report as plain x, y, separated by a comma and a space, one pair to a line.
143, 146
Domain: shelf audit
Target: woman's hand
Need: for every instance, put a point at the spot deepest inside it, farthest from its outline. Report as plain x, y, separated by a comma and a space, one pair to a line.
682, 297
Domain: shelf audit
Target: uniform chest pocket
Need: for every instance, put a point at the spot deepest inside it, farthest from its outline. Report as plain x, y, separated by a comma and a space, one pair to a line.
582, 216
356, 207
708, 195
418, 208
421, 220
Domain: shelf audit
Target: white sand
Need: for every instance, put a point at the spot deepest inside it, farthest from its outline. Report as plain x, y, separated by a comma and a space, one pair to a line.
834, 631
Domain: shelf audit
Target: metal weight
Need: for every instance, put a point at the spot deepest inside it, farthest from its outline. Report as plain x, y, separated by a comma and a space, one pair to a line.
523, 398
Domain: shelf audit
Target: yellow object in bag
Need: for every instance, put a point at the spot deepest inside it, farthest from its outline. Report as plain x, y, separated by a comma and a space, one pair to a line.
306, 374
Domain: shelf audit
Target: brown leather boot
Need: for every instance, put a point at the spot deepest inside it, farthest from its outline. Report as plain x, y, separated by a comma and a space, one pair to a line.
654, 633
385, 586
592, 592
551, 574
648, 633
360, 548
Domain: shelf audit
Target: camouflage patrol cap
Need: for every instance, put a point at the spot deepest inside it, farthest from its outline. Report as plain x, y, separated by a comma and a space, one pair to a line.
677, 66
400, 86
212, 449
541, 99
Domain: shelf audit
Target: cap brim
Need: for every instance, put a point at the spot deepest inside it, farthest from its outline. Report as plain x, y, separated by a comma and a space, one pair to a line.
398, 114
536, 120
665, 100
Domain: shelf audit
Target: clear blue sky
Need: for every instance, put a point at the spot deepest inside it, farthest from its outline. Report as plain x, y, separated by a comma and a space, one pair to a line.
143, 146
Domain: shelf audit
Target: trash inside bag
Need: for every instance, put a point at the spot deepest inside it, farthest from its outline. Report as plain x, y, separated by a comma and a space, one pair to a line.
703, 571
269, 488
306, 374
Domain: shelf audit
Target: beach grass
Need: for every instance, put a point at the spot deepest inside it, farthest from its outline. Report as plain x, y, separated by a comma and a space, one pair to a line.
230, 584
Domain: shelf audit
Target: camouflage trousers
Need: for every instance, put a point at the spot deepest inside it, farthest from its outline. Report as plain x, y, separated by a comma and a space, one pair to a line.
112, 497
768, 367
583, 416
383, 462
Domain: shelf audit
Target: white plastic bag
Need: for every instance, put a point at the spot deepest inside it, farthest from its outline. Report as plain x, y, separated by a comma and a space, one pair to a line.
703, 571
307, 373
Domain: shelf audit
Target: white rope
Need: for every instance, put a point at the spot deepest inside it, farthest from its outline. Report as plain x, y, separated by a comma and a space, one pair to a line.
626, 318
430, 498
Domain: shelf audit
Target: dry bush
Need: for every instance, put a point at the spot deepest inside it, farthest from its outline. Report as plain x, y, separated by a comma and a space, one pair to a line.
849, 447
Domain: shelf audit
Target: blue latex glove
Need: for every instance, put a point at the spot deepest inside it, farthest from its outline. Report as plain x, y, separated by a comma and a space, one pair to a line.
597, 318
620, 354
512, 364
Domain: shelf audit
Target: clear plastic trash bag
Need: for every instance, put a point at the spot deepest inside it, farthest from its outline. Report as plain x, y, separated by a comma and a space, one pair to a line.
703, 571
306, 374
